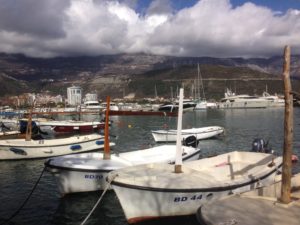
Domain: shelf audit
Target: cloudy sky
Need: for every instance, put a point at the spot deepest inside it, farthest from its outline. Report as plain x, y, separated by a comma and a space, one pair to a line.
219, 28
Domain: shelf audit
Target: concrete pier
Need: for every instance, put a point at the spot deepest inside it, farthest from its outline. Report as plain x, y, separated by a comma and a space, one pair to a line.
256, 207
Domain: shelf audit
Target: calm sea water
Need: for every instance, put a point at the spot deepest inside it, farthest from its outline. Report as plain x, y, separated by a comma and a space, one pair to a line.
47, 207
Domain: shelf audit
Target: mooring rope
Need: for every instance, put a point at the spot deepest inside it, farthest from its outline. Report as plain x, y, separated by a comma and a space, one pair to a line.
26, 200
100, 198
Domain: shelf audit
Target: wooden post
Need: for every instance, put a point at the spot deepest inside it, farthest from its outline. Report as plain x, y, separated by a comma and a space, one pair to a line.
106, 154
288, 130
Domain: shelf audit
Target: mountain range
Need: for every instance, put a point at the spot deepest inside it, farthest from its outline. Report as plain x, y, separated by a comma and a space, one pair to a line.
140, 74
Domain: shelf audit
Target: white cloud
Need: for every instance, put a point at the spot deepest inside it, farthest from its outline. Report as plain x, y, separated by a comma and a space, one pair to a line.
90, 27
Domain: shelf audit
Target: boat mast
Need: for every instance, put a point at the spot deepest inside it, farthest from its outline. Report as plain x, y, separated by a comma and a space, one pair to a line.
200, 82
28, 134
178, 161
155, 91
197, 91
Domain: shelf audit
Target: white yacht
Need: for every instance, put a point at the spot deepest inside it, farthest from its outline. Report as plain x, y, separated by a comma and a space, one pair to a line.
231, 100
92, 105
112, 106
274, 100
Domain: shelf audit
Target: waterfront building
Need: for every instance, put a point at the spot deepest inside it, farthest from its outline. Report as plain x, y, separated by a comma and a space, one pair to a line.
91, 97
74, 95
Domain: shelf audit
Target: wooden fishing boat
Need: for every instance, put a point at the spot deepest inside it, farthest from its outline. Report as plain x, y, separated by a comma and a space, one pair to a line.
165, 193
58, 127
199, 133
13, 149
88, 171
161, 190
27, 148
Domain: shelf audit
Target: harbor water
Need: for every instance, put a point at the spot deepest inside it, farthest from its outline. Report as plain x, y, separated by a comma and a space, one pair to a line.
46, 206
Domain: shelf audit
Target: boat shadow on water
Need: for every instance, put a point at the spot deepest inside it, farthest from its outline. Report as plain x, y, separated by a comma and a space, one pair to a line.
74, 208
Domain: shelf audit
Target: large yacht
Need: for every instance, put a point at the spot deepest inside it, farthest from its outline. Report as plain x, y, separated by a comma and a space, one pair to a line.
92, 105
274, 100
231, 100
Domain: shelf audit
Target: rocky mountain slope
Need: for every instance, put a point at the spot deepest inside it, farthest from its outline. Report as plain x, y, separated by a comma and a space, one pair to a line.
119, 75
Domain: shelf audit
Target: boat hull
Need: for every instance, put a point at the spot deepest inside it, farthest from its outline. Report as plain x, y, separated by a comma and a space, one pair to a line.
243, 104
9, 135
15, 149
166, 194
79, 181
168, 204
199, 133
70, 127
93, 171
84, 172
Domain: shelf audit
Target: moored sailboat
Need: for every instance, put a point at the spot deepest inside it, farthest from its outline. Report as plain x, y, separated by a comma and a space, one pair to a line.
201, 103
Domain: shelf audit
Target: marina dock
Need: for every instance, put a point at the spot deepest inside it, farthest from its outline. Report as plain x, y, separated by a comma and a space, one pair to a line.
256, 207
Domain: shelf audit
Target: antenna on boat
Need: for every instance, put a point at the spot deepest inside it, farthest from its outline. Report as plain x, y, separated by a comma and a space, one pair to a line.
178, 160
106, 154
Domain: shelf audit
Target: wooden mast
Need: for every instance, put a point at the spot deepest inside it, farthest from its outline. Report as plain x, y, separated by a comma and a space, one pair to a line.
178, 161
288, 130
106, 154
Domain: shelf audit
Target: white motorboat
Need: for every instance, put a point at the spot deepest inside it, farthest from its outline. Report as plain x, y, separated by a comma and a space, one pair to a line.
9, 134
112, 106
165, 193
233, 101
162, 190
88, 171
9, 124
199, 133
211, 105
188, 105
274, 100
92, 106
201, 105
13, 149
